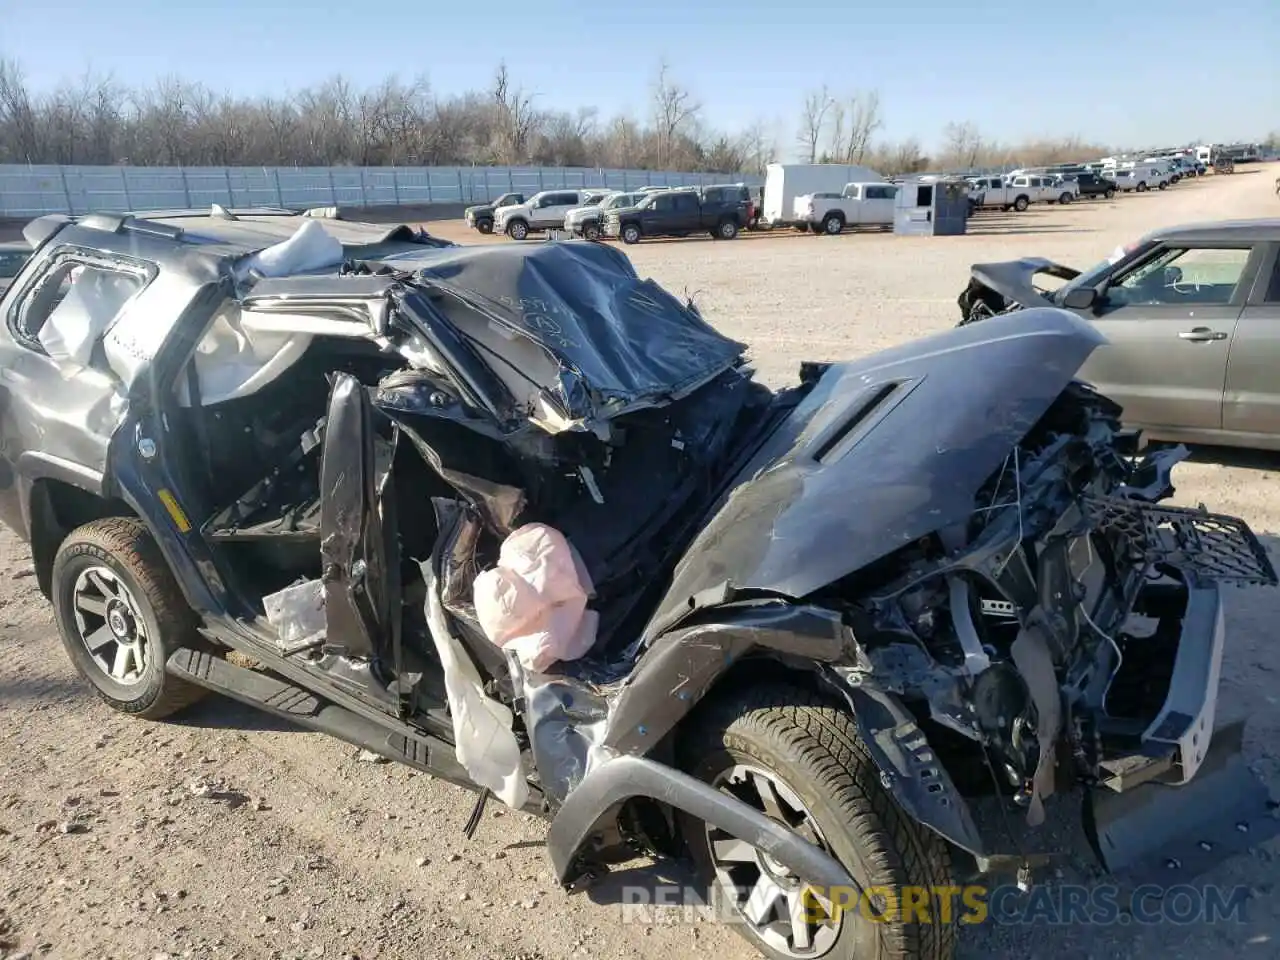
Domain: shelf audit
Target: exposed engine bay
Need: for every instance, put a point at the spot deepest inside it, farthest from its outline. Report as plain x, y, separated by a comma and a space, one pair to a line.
1056, 612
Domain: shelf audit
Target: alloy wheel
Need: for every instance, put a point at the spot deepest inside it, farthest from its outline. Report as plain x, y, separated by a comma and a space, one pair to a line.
786, 913
109, 623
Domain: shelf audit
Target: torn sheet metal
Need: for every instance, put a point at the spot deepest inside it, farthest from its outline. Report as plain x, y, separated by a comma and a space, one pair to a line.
575, 318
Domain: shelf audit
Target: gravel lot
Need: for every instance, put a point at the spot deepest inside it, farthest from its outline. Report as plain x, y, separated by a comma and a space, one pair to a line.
225, 834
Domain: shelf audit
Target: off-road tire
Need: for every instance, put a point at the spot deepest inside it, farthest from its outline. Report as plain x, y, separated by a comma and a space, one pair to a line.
833, 224
1021, 203
124, 546
813, 746
484, 225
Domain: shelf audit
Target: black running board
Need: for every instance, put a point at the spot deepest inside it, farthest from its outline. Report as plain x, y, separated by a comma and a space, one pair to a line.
277, 696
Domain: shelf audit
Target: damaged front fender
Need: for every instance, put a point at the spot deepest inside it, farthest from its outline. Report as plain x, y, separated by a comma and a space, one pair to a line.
910, 768
619, 779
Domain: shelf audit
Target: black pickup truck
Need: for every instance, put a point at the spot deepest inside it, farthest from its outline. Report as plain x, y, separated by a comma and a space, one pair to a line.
480, 216
721, 211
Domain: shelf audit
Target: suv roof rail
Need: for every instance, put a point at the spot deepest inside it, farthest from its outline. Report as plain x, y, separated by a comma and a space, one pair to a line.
122, 222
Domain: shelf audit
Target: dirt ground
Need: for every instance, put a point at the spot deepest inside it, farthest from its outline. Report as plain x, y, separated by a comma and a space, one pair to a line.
226, 834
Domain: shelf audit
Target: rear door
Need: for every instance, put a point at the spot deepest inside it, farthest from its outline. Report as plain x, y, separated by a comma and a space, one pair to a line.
1251, 403
554, 207
878, 204
1169, 319
688, 212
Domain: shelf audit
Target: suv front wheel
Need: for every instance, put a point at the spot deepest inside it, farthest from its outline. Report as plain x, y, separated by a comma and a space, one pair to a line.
120, 614
801, 761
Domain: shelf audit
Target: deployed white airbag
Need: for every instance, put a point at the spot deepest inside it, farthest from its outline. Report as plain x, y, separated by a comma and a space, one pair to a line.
91, 303
310, 248
534, 602
484, 742
234, 360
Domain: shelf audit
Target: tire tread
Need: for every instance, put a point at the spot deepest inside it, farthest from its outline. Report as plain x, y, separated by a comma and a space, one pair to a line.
127, 542
824, 738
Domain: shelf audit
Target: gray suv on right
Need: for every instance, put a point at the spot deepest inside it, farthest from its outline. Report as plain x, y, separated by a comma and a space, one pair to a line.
1190, 314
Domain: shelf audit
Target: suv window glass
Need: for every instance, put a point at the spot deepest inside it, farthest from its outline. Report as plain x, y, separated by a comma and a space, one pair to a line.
1181, 277
714, 195
663, 203
686, 202
72, 305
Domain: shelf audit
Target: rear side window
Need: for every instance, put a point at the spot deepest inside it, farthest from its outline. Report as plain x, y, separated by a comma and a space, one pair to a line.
686, 202
73, 303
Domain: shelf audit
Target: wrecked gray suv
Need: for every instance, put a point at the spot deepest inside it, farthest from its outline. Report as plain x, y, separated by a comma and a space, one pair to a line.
275, 463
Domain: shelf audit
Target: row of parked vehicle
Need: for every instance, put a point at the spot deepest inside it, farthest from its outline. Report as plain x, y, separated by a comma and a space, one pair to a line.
822, 198
1066, 183
721, 210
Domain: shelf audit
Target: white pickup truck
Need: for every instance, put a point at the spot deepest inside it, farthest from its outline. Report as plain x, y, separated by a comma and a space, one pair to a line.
858, 205
1019, 192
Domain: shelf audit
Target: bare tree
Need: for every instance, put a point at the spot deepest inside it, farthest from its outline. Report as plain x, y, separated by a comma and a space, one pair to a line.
93, 119
516, 119
674, 109
812, 121
758, 148
18, 118
864, 121
837, 147
962, 143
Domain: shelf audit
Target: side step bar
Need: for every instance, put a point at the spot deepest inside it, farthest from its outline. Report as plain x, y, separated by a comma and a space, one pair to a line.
284, 699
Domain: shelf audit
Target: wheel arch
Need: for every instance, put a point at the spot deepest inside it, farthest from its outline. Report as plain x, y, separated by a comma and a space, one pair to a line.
56, 507
691, 670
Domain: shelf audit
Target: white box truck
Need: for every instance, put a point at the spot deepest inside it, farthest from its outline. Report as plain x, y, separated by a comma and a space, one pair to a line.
783, 182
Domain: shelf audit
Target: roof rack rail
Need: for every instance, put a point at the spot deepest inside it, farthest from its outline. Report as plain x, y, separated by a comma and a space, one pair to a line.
122, 222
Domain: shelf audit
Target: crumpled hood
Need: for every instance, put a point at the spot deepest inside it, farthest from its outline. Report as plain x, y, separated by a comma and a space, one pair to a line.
883, 451
1014, 279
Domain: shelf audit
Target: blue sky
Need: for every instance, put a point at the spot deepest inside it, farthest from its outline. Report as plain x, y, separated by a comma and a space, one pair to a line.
1116, 72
